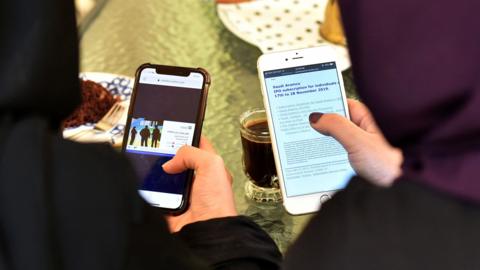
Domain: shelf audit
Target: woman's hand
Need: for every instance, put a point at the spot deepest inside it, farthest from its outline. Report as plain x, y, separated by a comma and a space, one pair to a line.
370, 155
212, 195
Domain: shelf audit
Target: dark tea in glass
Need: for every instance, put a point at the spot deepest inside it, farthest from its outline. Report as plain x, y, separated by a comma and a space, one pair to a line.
257, 154
258, 161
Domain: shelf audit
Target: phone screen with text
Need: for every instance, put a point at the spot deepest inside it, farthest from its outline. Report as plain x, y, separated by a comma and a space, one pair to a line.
310, 162
163, 119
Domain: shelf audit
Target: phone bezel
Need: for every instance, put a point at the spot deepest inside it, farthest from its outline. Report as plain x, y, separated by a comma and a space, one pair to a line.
309, 203
178, 71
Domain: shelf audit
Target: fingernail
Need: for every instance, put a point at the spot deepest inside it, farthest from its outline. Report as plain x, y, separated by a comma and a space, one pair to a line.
313, 118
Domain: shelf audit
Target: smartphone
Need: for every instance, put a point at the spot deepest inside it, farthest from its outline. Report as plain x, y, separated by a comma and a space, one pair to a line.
310, 166
166, 111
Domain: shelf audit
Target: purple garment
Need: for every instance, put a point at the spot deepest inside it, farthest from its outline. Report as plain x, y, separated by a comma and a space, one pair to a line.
417, 67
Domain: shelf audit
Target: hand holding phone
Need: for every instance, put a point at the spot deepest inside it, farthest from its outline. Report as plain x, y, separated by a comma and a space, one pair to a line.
212, 194
370, 154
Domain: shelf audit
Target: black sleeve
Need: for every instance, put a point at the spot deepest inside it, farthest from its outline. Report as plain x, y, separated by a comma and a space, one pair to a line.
406, 226
102, 223
152, 246
231, 243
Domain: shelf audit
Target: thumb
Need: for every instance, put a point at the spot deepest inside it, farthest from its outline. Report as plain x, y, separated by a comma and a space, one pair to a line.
187, 157
343, 130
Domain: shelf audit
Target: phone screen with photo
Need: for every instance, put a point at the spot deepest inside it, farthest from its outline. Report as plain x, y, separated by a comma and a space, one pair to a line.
310, 162
162, 120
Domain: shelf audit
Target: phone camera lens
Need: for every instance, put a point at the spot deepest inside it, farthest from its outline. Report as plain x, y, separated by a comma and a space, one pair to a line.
286, 59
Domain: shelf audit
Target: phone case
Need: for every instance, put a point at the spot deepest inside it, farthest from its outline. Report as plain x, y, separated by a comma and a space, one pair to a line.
180, 71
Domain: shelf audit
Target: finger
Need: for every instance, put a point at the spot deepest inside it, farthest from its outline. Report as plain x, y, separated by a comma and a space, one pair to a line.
357, 111
344, 131
361, 116
206, 145
187, 157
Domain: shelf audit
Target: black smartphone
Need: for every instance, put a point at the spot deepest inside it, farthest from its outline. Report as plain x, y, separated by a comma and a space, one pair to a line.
166, 112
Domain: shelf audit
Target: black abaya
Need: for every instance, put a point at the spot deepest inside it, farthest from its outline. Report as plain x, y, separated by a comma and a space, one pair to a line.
65, 205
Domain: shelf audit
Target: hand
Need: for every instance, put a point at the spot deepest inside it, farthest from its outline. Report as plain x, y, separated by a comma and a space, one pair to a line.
212, 194
370, 155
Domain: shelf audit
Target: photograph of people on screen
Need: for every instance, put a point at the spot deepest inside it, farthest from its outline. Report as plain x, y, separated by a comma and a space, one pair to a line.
149, 133
161, 138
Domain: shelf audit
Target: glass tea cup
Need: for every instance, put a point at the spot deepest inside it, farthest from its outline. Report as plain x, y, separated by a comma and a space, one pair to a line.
258, 161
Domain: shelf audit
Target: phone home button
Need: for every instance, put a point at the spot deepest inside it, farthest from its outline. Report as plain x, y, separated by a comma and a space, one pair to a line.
324, 198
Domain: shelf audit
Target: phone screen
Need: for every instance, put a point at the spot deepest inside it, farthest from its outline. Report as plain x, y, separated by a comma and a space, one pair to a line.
163, 119
310, 162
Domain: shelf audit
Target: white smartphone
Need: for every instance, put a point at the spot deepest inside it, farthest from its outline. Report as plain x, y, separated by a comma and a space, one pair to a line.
311, 167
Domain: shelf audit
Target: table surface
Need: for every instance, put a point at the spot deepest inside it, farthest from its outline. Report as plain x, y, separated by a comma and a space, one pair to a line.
128, 33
